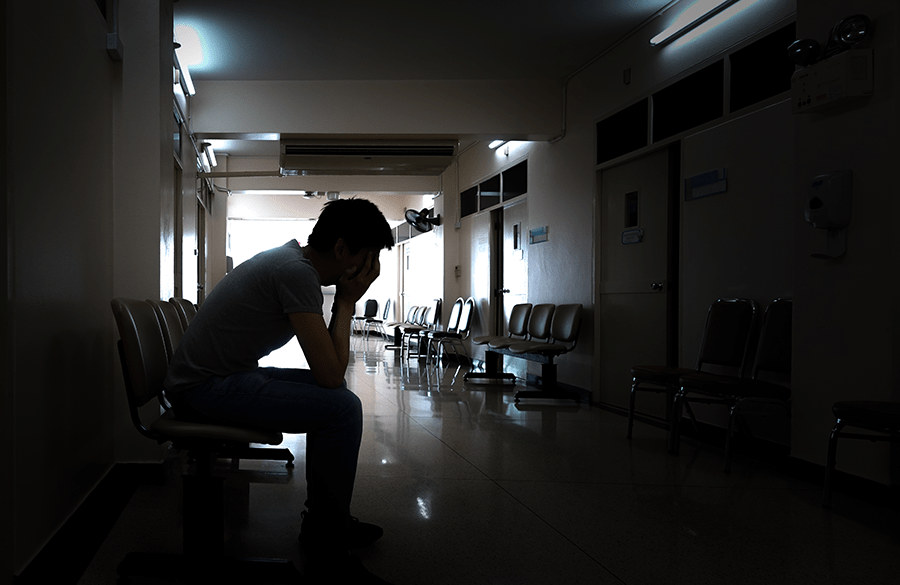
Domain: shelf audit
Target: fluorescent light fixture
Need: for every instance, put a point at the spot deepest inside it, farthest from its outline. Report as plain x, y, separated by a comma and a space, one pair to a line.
697, 13
210, 153
494, 145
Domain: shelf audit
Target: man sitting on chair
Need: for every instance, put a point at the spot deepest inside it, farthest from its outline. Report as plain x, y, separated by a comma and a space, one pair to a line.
258, 307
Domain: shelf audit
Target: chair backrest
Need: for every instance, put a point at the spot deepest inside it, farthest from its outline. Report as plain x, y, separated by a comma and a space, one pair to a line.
142, 350
539, 321
387, 310
421, 315
371, 308
434, 313
455, 312
774, 351
170, 323
566, 322
186, 310
466, 315
729, 324
518, 319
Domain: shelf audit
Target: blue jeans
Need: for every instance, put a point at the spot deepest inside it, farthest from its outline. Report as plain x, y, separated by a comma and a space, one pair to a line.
289, 401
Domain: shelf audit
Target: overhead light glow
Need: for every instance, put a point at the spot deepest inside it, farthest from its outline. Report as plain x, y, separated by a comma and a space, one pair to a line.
695, 14
494, 145
190, 53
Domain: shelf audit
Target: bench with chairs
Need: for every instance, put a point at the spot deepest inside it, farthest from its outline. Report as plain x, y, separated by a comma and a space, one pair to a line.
144, 354
551, 331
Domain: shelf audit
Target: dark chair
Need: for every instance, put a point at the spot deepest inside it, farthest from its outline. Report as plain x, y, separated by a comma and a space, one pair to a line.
428, 320
767, 384
539, 325
880, 419
411, 316
144, 360
378, 324
563, 339
370, 310
456, 337
726, 337
170, 322
452, 326
186, 310
517, 330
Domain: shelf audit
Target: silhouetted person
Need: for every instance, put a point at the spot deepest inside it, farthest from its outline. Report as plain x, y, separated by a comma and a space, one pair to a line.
258, 307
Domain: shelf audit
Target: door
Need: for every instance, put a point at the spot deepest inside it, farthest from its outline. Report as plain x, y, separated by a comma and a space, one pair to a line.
637, 289
511, 263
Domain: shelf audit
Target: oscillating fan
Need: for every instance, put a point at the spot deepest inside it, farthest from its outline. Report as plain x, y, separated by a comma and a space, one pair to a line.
422, 220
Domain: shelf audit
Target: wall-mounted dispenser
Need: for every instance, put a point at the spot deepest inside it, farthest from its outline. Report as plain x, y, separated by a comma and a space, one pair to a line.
828, 207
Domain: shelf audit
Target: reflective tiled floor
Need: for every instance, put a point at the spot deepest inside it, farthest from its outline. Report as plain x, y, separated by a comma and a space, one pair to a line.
472, 489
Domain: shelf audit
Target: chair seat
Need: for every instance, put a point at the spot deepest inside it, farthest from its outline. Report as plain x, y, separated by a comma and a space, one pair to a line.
874, 413
168, 426
665, 375
504, 342
542, 348
485, 339
443, 335
734, 386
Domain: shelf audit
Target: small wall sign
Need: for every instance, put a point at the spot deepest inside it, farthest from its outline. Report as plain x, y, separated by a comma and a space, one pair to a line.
538, 235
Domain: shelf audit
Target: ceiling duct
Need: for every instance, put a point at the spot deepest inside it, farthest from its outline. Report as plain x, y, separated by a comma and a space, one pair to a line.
366, 157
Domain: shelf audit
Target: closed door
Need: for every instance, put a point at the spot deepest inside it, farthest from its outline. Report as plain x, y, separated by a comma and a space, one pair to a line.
512, 286
637, 320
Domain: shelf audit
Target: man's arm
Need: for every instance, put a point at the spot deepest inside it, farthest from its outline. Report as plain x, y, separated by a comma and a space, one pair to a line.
328, 349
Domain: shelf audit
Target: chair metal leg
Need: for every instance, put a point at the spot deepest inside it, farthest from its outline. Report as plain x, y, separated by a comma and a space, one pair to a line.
830, 462
729, 435
630, 426
675, 426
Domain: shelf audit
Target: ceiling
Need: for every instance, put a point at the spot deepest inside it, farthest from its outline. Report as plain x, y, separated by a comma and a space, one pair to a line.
404, 39
320, 40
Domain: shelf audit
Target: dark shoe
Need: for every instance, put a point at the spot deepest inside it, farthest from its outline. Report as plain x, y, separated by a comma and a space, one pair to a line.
361, 533
346, 570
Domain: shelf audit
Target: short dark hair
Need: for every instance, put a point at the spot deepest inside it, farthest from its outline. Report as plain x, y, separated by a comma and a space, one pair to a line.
358, 221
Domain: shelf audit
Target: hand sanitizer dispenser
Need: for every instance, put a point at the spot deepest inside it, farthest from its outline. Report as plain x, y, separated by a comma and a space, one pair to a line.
828, 207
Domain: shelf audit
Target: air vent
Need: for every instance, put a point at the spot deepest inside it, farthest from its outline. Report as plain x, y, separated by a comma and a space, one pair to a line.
369, 157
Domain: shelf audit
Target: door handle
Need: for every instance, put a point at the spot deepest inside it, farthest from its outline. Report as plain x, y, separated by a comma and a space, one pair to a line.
501, 291
656, 286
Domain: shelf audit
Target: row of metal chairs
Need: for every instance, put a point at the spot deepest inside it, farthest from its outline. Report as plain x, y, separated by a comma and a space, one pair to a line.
720, 376
725, 345
537, 333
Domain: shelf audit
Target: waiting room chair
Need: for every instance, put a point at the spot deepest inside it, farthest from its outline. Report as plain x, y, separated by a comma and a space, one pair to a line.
456, 338
411, 316
378, 324
144, 359
186, 310
880, 419
170, 322
517, 330
767, 383
452, 325
726, 337
563, 338
429, 321
370, 310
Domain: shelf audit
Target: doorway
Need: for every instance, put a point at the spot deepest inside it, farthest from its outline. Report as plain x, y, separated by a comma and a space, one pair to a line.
637, 320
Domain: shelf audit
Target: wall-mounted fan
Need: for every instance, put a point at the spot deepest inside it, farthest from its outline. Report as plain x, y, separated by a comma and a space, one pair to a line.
422, 220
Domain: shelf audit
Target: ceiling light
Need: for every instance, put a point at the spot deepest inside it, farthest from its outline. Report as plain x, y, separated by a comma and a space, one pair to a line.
697, 13
497, 144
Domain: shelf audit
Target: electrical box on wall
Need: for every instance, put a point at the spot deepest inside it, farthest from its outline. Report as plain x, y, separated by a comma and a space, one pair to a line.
835, 81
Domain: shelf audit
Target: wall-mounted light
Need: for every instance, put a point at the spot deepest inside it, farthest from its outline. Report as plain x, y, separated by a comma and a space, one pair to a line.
494, 145
696, 14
